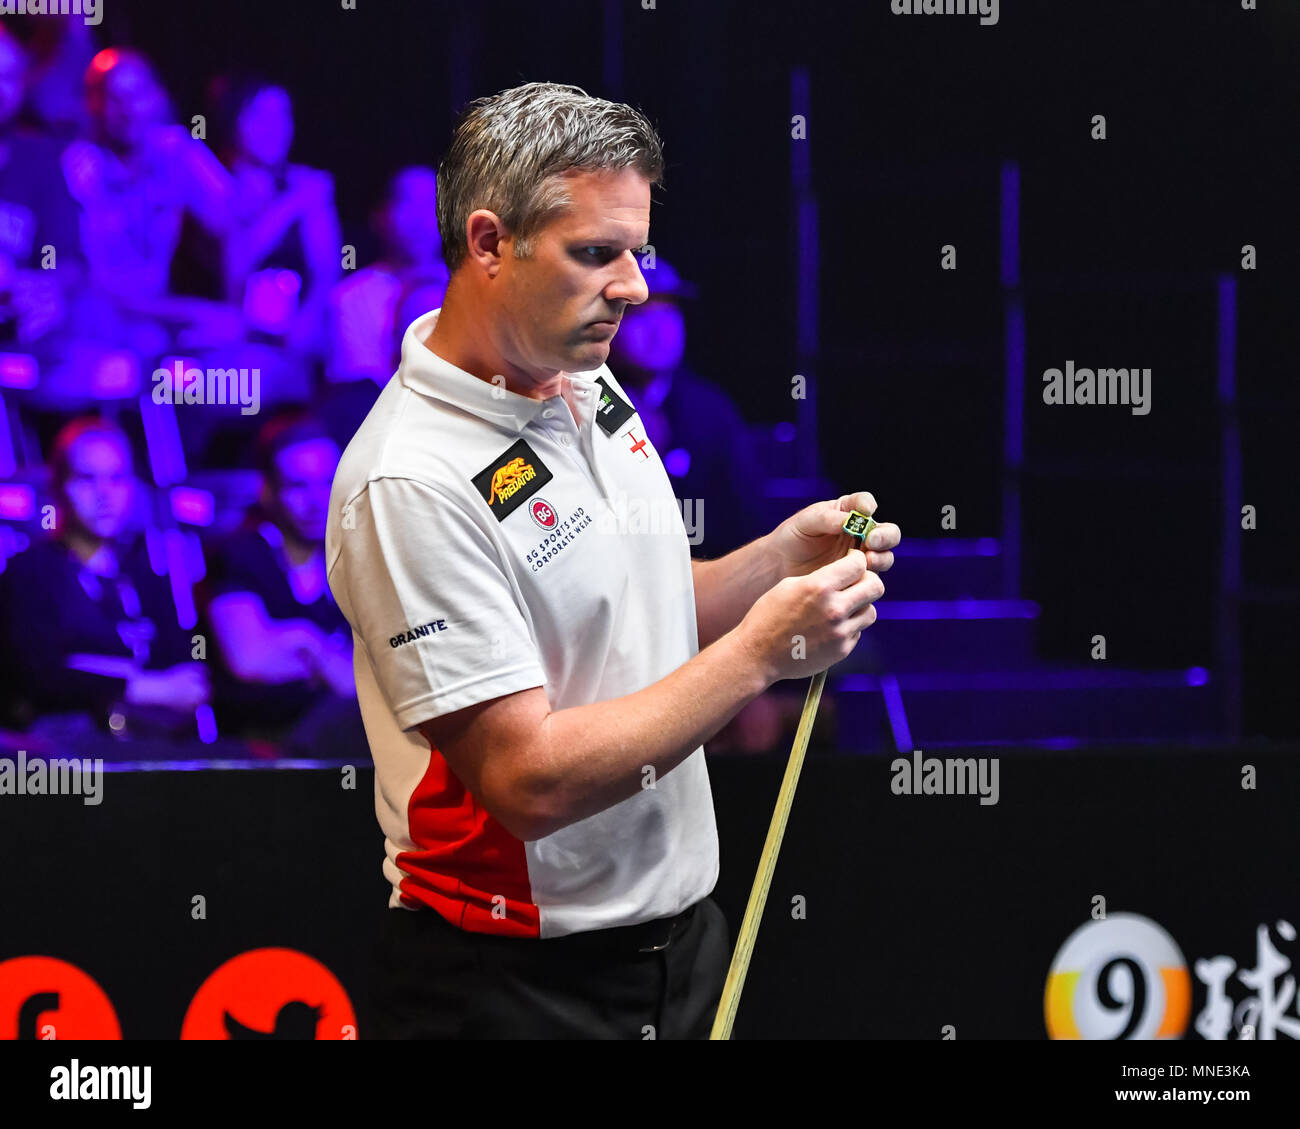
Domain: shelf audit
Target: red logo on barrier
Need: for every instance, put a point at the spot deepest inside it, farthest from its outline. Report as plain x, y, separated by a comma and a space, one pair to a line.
270, 994
46, 998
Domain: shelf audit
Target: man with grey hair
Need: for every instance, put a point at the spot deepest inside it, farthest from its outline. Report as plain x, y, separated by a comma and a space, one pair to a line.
538, 658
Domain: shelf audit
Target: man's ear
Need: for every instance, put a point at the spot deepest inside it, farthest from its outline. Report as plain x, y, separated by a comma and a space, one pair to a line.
488, 242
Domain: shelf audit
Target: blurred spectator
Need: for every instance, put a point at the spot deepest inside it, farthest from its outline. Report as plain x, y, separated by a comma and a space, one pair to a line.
282, 250
704, 443
36, 212
135, 178
366, 308
284, 644
371, 308
59, 48
694, 425
419, 295
87, 624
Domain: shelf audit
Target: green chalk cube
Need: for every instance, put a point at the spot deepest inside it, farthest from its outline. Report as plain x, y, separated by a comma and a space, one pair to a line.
859, 525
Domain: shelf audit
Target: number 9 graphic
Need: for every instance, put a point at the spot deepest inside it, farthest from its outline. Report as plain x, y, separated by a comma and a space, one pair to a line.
1119, 978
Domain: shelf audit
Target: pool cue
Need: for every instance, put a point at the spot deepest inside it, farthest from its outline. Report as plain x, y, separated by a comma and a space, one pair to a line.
857, 526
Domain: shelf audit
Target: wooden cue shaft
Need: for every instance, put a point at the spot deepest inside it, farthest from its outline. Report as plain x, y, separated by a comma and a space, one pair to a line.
730, 1000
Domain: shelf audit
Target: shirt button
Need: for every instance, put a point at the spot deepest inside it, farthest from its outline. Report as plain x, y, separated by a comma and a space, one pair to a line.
565, 440
547, 413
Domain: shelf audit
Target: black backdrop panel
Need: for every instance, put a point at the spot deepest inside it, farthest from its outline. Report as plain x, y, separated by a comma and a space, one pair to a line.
919, 912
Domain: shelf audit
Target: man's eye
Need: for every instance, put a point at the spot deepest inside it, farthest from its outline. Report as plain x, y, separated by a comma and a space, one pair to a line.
600, 253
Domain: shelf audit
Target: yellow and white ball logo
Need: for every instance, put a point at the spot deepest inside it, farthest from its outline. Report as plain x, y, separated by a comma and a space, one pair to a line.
1122, 977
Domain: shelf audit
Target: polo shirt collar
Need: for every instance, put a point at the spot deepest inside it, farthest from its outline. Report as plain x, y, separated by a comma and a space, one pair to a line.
423, 371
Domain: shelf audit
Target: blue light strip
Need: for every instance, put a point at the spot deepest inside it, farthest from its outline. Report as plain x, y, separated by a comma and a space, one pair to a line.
1228, 633
985, 680
897, 714
1010, 225
949, 547
162, 438
201, 764
957, 609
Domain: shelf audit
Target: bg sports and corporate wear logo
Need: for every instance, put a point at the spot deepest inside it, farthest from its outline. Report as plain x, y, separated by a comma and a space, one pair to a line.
543, 513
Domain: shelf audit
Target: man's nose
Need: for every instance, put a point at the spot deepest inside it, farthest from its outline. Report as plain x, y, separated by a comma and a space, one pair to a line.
631, 286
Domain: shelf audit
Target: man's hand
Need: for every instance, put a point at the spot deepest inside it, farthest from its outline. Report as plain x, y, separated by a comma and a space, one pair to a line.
814, 536
805, 624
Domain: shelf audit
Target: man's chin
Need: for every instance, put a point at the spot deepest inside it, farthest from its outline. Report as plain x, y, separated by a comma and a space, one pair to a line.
588, 356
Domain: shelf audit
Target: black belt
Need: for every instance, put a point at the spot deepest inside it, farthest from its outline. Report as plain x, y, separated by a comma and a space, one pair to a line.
647, 937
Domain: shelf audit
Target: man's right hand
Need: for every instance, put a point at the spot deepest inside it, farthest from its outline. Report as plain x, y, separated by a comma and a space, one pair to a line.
805, 624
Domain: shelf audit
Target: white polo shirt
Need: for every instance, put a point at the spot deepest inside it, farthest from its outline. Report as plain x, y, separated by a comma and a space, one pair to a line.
481, 542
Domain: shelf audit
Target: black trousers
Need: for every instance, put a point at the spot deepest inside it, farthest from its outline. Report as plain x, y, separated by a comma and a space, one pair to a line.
662, 980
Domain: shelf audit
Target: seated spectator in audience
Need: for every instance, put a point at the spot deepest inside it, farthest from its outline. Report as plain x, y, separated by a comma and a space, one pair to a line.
59, 48
365, 326
36, 213
699, 433
282, 250
135, 179
284, 644
371, 308
418, 297
704, 443
88, 627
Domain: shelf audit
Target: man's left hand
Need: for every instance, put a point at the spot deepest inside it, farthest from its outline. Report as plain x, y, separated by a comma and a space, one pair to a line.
815, 536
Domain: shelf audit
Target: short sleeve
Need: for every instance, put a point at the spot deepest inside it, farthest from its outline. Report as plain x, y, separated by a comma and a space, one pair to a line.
428, 597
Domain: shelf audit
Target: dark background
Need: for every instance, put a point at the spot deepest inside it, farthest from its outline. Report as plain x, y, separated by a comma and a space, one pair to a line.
909, 120
920, 913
